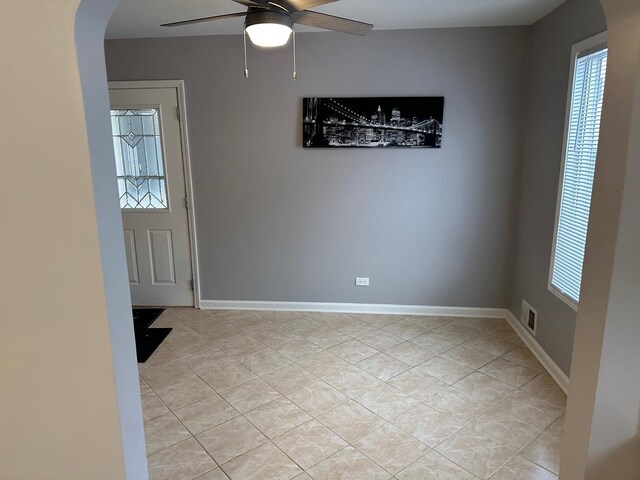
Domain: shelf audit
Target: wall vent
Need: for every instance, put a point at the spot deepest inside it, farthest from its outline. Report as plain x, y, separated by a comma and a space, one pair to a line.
529, 317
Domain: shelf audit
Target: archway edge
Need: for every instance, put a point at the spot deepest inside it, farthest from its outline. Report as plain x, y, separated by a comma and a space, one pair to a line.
91, 21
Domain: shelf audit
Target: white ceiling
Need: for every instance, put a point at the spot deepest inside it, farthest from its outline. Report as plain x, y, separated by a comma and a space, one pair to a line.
141, 18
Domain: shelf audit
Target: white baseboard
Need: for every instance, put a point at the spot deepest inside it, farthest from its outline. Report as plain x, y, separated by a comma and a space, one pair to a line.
556, 373
352, 308
547, 362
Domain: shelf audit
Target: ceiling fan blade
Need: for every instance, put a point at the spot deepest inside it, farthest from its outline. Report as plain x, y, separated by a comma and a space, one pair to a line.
251, 3
203, 19
297, 5
329, 22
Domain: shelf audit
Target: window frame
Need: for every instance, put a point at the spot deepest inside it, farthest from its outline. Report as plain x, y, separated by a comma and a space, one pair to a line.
590, 45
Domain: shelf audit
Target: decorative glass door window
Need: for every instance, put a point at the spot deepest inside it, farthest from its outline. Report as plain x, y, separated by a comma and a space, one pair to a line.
139, 161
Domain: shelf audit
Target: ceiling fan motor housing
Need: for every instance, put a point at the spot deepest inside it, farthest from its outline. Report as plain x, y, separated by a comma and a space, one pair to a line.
267, 16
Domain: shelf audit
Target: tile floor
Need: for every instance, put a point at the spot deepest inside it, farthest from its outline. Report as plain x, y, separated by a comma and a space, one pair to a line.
281, 395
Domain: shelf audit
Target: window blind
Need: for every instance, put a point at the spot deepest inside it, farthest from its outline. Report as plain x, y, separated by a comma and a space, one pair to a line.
579, 167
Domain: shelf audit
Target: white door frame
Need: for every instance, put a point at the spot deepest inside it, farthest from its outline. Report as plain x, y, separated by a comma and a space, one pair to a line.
178, 85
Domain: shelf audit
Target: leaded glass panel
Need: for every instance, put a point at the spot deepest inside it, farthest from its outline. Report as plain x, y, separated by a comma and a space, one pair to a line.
139, 162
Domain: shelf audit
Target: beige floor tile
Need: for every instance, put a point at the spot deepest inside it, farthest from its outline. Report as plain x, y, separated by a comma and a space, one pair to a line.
491, 344
457, 404
506, 430
330, 319
265, 361
355, 328
217, 330
167, 374
469, 357
545, 451
211, 325
353, 351
348, 464
519, 468
435, 342
507, 333
483, 324
215, 474
445, 370
404, 329
206, 360
182, 461
187, 344
528, 408
327, 337
352, 381
508, 372
239, 345
277, 417
557, 428
161, 356
323, 364
276, 338
433, 397
231, 439
382, 366
282, 315
542, 386
475, 453
427, 321
433, 466
301, 325
391, 448
256, 326
378, 321
238, 316
250, 395
299, 349
427, 425
162, 432
289, 378
152, 406
523, 356
264, 462
457, 332
380, 340
410, 353
205, 414
227, 374
417, 384
184, 393
317, 398
351, 421
481, 386
144, 388
309, 443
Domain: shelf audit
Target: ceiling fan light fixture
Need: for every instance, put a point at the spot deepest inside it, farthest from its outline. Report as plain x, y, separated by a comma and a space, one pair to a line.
268, 29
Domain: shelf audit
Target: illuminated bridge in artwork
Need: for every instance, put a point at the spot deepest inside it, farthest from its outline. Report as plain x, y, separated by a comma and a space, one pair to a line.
327, 120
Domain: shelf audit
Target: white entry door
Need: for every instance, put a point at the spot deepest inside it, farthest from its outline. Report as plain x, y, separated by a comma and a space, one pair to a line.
147, 141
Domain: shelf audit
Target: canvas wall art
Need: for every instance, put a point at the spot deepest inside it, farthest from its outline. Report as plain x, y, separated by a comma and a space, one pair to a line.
371, 122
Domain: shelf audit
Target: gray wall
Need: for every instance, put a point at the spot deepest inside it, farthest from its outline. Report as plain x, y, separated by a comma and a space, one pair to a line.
277, 223
548, 76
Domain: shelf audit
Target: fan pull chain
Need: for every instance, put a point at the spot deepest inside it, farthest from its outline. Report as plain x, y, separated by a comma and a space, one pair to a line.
295, 71
246, 67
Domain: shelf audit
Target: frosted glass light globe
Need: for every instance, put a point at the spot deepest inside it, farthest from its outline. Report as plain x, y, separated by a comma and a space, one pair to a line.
269, 34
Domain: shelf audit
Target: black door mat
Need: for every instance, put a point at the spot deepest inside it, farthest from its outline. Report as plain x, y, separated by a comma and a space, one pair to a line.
147, 339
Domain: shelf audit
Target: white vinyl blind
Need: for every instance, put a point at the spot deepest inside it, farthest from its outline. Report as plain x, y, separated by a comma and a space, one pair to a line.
579, 166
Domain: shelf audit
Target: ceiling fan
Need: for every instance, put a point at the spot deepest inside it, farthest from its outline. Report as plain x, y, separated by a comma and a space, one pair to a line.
269, 23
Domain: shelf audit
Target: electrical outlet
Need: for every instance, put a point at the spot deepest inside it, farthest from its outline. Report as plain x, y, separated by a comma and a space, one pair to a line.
362, 281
